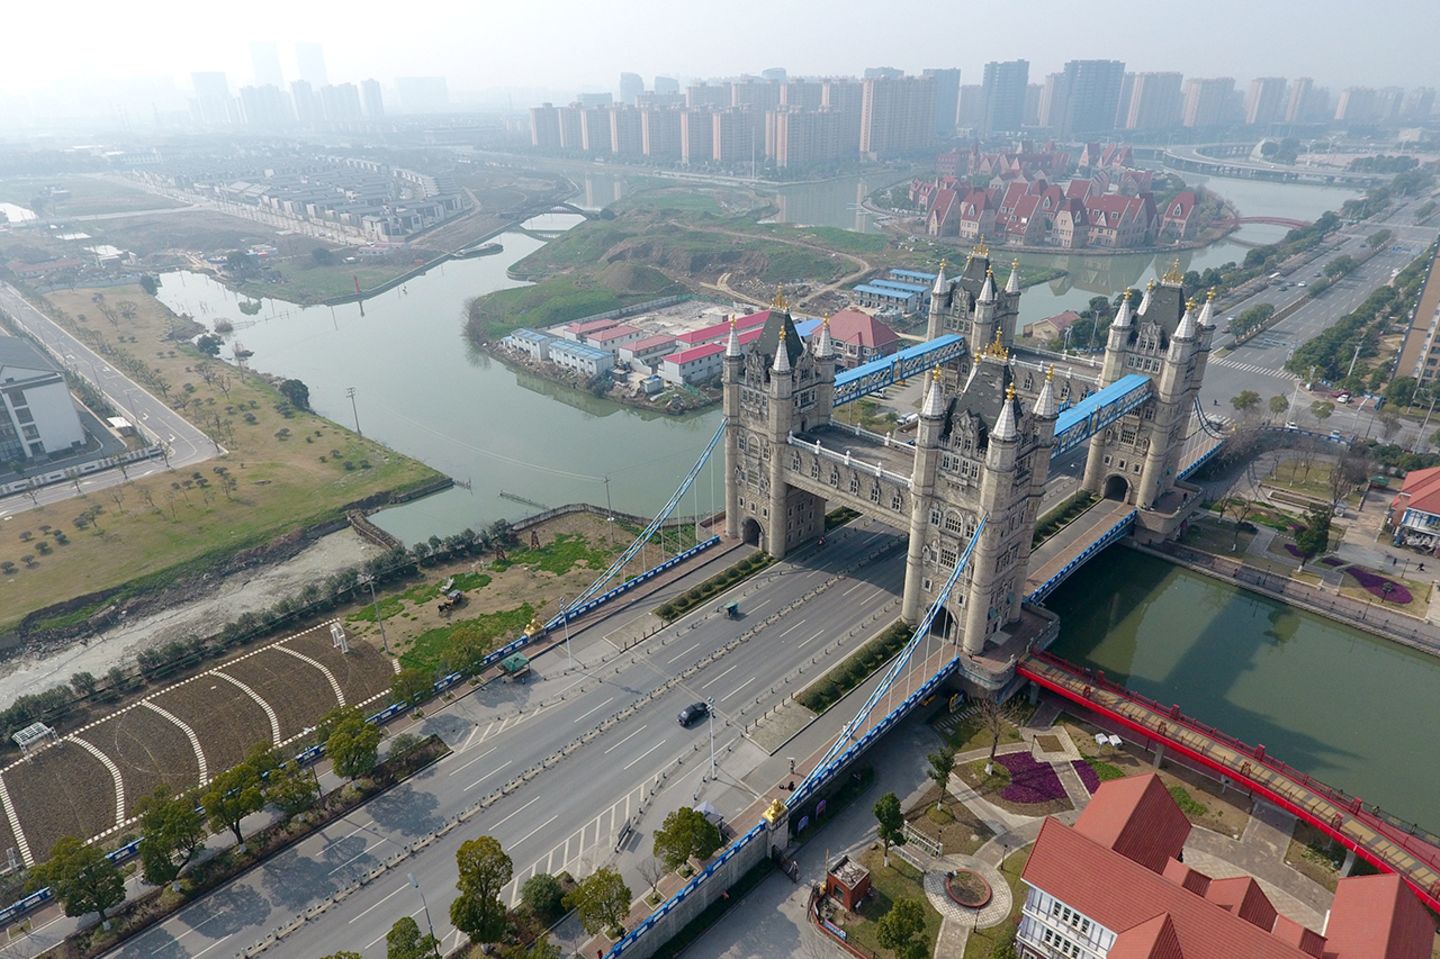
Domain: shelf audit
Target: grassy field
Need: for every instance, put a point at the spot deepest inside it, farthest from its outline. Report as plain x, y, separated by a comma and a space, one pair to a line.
899, 880
984, 943
561, 298
306, 282
286, 469
88, 196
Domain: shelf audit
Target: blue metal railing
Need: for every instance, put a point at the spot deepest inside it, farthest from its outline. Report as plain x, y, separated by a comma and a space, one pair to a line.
911, 361
1121, 527
1098, 410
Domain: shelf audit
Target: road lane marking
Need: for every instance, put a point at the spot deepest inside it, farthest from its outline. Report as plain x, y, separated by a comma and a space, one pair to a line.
720, 677
684, 652
816, 636
637, 759
626, 739
589, 711
534, 831
516, 813
212, 946
376, 905
460, 769
738, 688
792, 629
853, 588
487, 775
378, 842
347, 835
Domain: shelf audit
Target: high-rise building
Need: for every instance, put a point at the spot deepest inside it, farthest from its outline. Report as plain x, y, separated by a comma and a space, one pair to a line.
1295, 105
1127, 90
1052, 97
1419, 104
697, 136
1265, 102
631, 86
1155, 102
570, 138
1087, 97
733, 137
774, 74
595, 129
660, 133
1206, 99
715, 95
310, 60
308, 111
1032, 104
341, 102
264, 106
897, 116
1005, 86
883, 73
805, 137
594, 99
1357, 105
757, 94
213, 104
423, 94
803, 94
947, 99
667, 85
970, 109
545, 127
1389, 104
626, 137
265, 61
374, 101
845, 97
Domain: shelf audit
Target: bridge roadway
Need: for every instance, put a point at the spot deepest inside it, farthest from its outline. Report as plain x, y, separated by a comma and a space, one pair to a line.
1384, 843
568, 814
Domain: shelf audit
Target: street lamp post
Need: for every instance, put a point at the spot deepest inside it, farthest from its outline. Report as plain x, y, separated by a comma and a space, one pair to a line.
565, 624
711, 704
428, 924
375, 608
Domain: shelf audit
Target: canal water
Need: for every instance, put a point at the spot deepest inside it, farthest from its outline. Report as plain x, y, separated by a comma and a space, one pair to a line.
421, 389
1351, 709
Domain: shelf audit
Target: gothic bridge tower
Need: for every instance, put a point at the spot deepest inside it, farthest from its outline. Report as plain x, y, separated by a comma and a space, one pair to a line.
1137, 458
972, 304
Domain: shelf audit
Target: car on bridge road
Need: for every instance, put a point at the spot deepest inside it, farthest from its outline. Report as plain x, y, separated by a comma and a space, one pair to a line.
693, 713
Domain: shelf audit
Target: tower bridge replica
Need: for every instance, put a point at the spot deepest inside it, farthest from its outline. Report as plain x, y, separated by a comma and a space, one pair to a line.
990, 426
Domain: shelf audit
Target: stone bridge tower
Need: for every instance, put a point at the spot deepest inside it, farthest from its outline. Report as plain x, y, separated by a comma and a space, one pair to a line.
1137, 458
972, 304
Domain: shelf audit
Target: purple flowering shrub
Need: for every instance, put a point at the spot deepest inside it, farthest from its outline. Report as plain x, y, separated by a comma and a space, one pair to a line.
1088, 775
1375, 585
1030, 781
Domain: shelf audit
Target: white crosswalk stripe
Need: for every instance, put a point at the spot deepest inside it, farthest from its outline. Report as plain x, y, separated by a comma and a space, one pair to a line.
1254, 368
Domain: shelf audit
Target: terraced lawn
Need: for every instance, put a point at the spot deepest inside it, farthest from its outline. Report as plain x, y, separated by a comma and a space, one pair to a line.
226, 720
297, 691
149, 749
64, 791
364, 672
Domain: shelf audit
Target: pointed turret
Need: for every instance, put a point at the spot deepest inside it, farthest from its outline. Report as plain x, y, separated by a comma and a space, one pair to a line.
1145, 300
732, 345
1012, 285
1122, 317
1207, 312
1187, 328
1045, 404
1006, 430
782, 355
940, 282
823, 347
934, 400
987, 292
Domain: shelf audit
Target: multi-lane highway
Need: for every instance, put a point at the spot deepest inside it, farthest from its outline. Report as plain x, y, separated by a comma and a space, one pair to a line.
186, 444
798, 618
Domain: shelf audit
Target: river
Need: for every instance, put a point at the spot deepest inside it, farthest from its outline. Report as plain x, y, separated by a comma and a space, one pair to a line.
1351, 709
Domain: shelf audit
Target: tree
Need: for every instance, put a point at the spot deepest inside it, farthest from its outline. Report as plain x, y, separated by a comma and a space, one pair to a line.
81, 878
343, 954
291, 789
83, 683
1278, 406
1314, 539
1340, 266
242, 264
411, 685
683, 834
296, 392
149, 284
1389, 424
484, 871
993, 717
172, 832
465, 650
942, 763
404, 941
323, 256
353, 747
890, 822
1245, 402
1321, 409
899, 928
602, 900
651, 870
231, 796
210, 344
543, 896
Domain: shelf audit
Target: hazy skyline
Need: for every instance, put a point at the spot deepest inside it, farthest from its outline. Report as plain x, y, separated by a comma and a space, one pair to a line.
508, 46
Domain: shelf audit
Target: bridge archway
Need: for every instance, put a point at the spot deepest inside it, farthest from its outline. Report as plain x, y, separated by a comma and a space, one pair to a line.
944, 624
1117, 488
750, 532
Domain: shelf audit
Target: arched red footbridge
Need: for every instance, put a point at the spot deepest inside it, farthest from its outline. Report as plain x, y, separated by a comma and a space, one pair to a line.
1284, 221
1388, 843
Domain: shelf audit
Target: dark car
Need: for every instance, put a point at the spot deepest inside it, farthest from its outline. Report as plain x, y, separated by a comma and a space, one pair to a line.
693, 713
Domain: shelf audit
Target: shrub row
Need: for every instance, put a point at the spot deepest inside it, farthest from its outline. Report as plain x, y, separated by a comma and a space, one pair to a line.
696, 595
1061, 517
833, 686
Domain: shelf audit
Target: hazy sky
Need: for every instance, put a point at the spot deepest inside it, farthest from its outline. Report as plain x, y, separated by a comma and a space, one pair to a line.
567, 44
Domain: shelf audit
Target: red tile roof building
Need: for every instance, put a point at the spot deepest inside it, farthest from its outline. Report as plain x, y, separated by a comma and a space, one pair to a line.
859, 338
1113, 887
1415, 511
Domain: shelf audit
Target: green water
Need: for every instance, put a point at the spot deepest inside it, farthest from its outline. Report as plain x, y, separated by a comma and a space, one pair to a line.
1353, 710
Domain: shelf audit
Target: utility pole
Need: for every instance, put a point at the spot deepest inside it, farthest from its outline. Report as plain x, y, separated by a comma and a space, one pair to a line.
1420, 436
428, 924
375, 608
711, 704
350, 392
1350, 372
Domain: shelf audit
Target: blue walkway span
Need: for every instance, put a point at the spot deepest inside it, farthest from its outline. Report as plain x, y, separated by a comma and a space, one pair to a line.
1098, 410
896, 368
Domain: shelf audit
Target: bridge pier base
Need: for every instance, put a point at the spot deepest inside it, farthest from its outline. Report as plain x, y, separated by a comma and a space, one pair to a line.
1159, 755
1349, 864
1032, 694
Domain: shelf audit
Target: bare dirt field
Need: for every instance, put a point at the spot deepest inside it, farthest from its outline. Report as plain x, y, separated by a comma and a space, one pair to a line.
63, 791
149, 749
225, 719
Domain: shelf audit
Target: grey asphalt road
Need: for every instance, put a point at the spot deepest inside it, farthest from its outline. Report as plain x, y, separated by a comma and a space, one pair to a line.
187, 444
567, 816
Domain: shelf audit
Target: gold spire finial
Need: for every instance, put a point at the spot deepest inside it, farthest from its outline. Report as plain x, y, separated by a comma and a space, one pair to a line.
943, 263
980, 248
1211, 294
1050, 374
1174, 274
1151, 284
779, 301
1126, 295
1010, 391
1015, 263
1190, 304
825, 320
936, 374
996, 349
990, 272
782, 332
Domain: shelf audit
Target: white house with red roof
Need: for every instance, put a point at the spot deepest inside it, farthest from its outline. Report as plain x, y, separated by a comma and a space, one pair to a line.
1415, 511
1177, 218
1114, 886
858, 337
697, 364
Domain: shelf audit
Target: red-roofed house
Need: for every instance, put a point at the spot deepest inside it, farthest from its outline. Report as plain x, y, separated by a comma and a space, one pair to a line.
1415, 511
1052, 327
647, 352
1113, 887
614, 337
1178, 220
1117, 221
720, 332
580, 329
859, 337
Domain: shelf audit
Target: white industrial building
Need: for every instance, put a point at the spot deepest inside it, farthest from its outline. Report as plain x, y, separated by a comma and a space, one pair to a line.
37, 415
